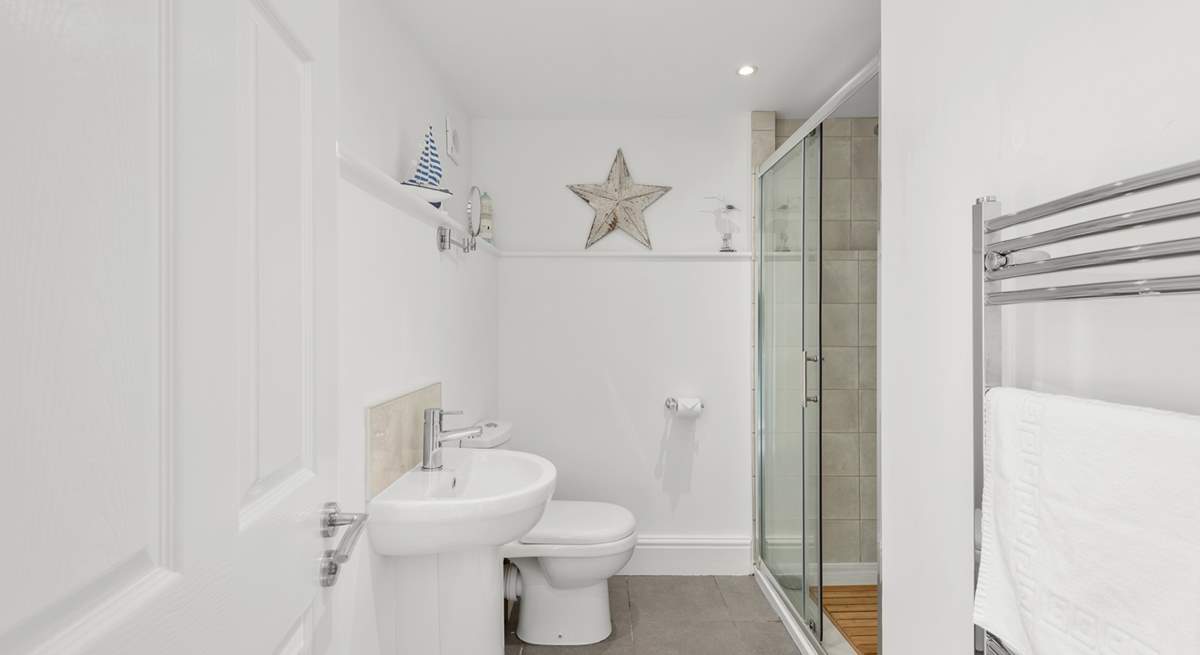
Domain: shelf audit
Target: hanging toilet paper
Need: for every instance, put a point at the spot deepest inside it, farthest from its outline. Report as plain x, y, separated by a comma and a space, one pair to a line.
685, 407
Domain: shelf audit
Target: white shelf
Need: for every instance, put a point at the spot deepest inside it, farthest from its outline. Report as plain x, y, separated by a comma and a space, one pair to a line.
651, 255
386, 188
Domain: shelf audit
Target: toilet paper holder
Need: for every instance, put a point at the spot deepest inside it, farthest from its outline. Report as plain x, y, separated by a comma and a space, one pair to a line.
673, 404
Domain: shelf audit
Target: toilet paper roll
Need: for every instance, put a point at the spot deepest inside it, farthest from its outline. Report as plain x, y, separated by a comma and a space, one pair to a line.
685, 407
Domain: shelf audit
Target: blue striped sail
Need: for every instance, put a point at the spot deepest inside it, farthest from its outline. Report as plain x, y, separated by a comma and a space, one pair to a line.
429, 166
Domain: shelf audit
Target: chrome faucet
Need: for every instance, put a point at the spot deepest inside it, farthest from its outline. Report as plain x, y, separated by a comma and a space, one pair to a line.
432, 437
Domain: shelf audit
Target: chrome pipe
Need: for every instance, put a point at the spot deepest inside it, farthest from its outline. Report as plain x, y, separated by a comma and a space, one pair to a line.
1143, 252
1173, 211
1097, 194
1147, 287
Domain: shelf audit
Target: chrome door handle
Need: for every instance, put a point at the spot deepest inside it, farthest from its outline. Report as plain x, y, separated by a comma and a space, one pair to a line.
813, 358
333, 518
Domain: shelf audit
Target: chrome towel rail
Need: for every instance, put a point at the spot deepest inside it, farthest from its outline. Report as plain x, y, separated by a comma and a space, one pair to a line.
1148, 287
1144, 252
996, 260
1097, 194
1174, 211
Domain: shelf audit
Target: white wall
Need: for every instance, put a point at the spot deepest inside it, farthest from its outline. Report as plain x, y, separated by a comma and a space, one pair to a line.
527, 165
590, 350
409, 315
1036, 100
590, 347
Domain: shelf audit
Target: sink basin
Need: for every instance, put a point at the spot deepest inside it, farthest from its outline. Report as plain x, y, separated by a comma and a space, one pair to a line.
479, 499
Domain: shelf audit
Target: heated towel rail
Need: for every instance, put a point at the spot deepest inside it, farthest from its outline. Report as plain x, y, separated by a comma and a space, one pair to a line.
999, 259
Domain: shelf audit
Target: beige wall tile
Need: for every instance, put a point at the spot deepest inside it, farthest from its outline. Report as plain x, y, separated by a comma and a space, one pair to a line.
394, 436
864, 157
866, 322
762, 120
866, 453
840, 540
835, 235
840, 325
864, 199
786, 127
864, 235
866, 406
762, 144
840, 454
839, 282
835, 200
840, 368
836, 127
863, 126
840, 497
866, 495
839, 411
867, 272
869, 541
835, 157
866, 368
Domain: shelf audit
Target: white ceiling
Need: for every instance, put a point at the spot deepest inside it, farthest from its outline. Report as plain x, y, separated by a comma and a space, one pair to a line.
641, 58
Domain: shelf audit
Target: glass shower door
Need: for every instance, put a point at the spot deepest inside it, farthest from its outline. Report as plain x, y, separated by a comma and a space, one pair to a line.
789, 371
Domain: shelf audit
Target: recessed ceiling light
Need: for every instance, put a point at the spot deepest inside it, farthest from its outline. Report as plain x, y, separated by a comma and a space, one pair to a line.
747, 70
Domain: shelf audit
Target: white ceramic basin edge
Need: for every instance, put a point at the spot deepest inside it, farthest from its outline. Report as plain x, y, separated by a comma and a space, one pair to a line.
480, 499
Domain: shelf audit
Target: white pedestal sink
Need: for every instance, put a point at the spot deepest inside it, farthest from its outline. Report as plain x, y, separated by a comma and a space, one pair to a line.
455, 520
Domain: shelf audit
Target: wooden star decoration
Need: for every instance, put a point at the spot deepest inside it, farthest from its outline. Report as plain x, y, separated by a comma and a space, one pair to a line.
619, 203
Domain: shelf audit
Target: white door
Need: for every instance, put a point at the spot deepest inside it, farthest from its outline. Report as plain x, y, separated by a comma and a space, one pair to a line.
167, 324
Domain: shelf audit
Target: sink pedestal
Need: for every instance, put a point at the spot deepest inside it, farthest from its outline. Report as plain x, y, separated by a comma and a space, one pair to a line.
440, 533
450, 603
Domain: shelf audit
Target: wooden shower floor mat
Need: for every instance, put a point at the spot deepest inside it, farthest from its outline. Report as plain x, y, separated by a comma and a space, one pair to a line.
854, 609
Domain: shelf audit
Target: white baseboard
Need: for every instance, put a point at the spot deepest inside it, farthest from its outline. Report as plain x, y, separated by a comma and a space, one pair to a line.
691, 555
835, 573
848, 573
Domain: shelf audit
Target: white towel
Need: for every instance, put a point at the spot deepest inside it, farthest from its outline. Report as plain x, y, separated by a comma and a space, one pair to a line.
1091, 527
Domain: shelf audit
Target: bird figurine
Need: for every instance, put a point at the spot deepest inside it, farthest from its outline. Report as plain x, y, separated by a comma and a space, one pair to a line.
724, 222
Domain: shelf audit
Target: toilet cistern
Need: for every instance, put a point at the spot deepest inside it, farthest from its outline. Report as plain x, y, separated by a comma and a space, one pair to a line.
432, 437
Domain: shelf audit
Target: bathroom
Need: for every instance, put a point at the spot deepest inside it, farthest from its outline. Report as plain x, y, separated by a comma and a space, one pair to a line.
738, 410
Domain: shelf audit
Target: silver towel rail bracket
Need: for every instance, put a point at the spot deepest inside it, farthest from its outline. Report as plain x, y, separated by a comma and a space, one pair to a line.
996, 260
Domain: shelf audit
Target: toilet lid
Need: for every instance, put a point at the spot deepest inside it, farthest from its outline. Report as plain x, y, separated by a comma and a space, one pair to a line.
580, 523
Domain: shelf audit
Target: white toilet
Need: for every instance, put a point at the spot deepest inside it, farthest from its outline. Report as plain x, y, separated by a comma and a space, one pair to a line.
560, 568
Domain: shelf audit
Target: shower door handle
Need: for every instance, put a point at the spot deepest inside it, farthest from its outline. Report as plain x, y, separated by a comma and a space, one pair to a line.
816, 359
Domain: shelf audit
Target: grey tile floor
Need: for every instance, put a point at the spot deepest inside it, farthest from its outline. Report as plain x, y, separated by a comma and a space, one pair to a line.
677, 615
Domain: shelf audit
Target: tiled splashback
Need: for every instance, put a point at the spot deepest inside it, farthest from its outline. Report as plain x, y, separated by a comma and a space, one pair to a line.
394, 436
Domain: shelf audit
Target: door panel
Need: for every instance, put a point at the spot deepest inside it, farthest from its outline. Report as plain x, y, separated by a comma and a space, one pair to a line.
167, 374
789, 376
82, 266
276, 263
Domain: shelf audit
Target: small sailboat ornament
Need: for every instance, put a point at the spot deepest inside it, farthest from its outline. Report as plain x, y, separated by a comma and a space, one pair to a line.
427, 180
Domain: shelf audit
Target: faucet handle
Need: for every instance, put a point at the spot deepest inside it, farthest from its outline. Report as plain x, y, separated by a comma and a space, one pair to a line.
451, 412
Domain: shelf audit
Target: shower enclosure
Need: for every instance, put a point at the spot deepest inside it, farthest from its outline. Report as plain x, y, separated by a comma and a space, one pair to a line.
817, 203
789, 246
